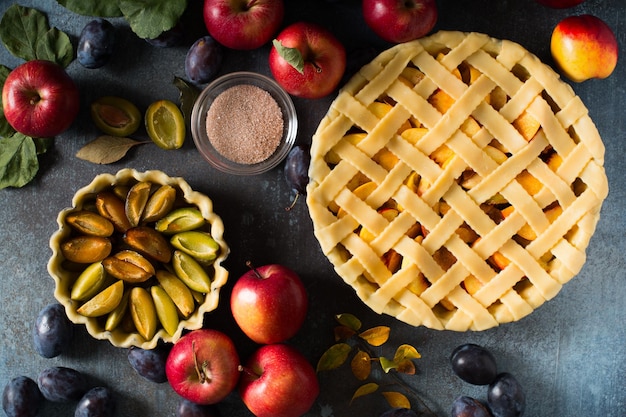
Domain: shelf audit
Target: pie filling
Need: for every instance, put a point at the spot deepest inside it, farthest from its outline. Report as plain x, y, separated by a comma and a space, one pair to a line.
456, 181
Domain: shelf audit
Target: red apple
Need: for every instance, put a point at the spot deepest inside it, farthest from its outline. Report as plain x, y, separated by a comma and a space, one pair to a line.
278, 381
269, 303
584, 47
203, 366
400, 20
39, 99
560, 4
243, 24
307, 60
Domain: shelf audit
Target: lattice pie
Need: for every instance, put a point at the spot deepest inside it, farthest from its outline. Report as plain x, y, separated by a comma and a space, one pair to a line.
456, 182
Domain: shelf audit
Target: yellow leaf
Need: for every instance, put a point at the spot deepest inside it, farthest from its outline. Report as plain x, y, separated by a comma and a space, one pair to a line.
364, 390
397, 400
376, 336
406, 352
361, 365
334, 357
406, 367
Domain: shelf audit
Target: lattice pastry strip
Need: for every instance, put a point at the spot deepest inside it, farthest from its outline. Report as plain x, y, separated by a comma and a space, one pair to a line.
456, 182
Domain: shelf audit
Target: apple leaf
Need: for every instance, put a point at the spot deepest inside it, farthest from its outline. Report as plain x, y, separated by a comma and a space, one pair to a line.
99, 8
55, 46
26, 34
343, 333
148, 19
291, 55
106, 149
6, 129
334, 357
18, 161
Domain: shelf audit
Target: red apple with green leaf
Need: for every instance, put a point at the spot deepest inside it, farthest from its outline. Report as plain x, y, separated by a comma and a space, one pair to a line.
40, 99
560, 4
243, 24
584, 47
307, 60
278, 381
203, 366
269, 303
400, 21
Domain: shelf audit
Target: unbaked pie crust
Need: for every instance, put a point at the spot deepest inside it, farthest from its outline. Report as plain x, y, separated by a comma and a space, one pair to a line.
456, 181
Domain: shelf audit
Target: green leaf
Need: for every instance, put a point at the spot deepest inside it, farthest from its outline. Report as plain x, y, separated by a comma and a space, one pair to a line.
149, 18
18, 161
349, 321
26, 34
387, 364
20, 28
6, 129
291, 55
99, 8
187, 97
334, 357
42, 145
55, 46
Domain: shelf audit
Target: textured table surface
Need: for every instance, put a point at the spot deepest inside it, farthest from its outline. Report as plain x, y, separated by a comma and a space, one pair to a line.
568, 355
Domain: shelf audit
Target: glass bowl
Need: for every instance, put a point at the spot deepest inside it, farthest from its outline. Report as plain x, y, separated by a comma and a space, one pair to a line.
66, 272
199, 123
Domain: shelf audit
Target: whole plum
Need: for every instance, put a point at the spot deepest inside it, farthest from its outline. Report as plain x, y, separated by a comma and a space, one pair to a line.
473, 364
468, 407
53, 331
506, 397
21, 397
96, 43
61, 384
203, 60
149, 363
97, 402
187, 408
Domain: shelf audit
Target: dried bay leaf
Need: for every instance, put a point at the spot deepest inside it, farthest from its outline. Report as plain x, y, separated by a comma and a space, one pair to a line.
187, 97
376, 336
334, 357
106, 149
397, 400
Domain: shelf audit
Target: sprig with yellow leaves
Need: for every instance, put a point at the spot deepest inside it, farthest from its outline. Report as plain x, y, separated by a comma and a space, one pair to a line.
355, 344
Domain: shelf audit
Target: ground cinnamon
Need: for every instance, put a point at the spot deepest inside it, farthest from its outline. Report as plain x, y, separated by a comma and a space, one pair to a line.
245, 124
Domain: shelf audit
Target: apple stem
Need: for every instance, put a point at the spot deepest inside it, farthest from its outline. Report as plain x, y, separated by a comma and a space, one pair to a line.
200, 370
248, 372
253, 268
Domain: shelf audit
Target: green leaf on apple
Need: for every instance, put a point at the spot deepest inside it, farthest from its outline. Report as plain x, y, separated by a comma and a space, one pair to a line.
18, 161
291, 55
149, 19
26, 34
97, 8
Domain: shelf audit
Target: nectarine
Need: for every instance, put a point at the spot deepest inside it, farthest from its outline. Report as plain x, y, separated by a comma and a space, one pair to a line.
584, 47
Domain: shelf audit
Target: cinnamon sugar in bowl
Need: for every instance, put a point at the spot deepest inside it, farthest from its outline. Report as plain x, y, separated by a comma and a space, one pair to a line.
244, 123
